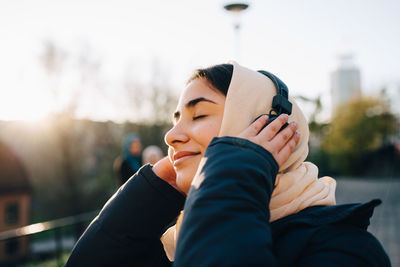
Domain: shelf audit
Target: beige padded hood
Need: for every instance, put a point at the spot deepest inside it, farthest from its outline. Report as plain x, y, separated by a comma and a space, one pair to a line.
246, 100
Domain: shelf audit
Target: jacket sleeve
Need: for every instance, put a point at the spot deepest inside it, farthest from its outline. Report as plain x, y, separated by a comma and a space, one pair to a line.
226, 220
127, 231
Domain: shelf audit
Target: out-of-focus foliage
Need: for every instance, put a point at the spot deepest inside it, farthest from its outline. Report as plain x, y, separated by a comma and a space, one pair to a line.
70, 161
152, 103
358, 131
360, 126
90, 149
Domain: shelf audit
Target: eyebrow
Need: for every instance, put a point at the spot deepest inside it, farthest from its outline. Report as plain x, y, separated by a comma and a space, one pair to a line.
193, 103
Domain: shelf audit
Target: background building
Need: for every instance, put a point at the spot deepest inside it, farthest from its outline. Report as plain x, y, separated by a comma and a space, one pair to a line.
345, 81
15, 204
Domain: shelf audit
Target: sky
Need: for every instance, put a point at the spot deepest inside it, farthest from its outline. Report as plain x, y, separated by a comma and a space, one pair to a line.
299, 41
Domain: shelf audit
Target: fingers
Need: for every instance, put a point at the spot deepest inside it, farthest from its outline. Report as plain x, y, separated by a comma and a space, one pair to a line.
283, 137
279, 143
255, 127
283, 155
273, 128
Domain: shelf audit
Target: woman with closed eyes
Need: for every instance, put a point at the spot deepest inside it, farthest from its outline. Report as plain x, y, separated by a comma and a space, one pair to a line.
232, 191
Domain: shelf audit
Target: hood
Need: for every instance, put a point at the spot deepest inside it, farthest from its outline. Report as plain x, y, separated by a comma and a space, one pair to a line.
249, 95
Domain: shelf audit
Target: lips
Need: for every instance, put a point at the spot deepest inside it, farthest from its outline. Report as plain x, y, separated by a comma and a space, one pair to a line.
182, 155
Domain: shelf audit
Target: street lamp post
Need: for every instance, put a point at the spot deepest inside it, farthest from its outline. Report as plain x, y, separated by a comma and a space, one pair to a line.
236, 9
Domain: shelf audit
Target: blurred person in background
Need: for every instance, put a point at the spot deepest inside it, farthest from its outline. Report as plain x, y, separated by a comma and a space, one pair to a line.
130, 161
249, 197
152, 154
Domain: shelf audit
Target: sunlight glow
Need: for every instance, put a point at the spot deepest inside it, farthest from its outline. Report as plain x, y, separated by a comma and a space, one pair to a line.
24, 108
24, 99
129, 35
34, 228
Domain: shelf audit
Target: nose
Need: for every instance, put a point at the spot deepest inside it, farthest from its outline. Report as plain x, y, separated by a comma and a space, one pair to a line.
176, 135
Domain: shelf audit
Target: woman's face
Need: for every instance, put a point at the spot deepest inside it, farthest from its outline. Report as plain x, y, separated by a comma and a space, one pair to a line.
197, 120
135, 147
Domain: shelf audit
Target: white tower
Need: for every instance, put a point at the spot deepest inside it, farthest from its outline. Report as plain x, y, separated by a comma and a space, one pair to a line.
345, 81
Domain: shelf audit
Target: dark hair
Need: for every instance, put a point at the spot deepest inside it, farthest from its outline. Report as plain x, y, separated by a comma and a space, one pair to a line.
219, 76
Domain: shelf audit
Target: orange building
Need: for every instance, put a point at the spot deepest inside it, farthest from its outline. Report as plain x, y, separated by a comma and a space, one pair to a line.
15, 204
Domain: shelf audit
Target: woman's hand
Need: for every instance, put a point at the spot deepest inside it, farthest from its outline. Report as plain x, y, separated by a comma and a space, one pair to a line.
164, 169
279, 144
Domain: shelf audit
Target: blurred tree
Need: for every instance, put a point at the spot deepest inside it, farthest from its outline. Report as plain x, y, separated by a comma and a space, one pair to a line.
153, 103
85, 69
71, 160
317, 130
316, 127
161, 99
99, 142
358, 127
162, 104
150, 134
317, 109
53, 61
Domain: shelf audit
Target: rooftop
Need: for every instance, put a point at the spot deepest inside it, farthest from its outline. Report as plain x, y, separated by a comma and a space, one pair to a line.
13, 176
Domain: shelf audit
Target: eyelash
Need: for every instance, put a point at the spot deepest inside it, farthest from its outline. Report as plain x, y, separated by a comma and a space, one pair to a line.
199, 117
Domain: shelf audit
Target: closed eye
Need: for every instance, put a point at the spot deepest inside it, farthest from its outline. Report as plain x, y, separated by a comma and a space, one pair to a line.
199, 117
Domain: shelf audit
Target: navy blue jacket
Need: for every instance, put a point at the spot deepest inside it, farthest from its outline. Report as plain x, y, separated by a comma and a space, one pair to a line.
127, 230
226, 221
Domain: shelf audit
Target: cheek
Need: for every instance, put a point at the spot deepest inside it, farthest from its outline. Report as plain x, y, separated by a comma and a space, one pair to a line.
205, 132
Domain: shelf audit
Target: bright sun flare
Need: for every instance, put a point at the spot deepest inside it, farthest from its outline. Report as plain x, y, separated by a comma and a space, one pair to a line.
24, 106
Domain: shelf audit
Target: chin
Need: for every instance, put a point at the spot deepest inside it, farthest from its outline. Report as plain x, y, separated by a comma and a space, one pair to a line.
185, 175
184, 180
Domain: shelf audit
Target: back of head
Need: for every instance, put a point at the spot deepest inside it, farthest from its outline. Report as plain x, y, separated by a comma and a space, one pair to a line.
152, 154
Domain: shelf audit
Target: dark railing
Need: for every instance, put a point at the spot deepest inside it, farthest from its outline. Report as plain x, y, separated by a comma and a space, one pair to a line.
45, 240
